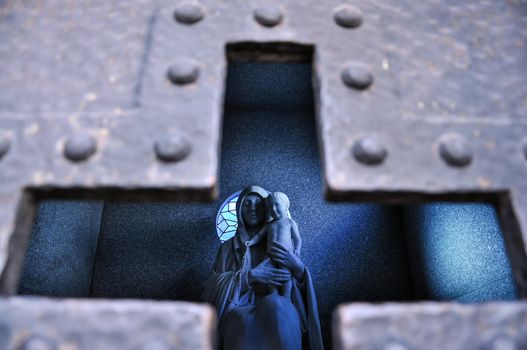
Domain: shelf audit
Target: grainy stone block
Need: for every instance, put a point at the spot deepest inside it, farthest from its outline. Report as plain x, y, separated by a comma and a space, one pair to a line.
43, 323
430, 326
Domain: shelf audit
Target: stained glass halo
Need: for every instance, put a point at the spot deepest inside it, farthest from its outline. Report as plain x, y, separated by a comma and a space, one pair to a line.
226, 219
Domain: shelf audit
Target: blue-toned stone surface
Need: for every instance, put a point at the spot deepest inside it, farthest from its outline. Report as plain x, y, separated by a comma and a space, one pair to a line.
61, 250
269, 86
457, 251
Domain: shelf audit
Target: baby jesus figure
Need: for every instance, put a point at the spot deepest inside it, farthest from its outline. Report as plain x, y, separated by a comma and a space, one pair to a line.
283, 230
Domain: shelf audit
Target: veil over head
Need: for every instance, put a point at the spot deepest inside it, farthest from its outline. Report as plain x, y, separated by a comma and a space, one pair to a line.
241, 232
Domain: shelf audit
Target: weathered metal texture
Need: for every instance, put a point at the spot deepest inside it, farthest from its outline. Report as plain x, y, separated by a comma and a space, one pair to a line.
414, 99
438, 69
80, 68
430, 326
82, 324
59, 56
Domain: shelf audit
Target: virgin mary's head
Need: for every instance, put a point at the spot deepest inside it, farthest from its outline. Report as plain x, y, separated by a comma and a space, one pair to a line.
251, 206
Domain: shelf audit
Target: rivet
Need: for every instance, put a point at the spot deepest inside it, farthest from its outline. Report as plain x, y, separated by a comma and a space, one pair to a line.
189, 12
268, 15
357, 75
394, 346
183, 71
5, 143
369, 150
502, 342
79, 147
155, 344
172, 148
348, 16
455, 150
38, 343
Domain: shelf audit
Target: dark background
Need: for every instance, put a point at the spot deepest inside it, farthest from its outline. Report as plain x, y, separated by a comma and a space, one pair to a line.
356, 252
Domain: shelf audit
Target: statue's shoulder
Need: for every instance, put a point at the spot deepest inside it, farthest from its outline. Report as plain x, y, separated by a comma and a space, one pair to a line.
225, 251
228, 245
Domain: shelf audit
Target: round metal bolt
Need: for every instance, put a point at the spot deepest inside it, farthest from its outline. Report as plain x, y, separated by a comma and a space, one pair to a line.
369, 150
268, 15
357, 75
5, 143
172, 148
503, 342
348, 16
183, 71
155, 344
394, 346
38, 343
189, 12
79, 147
455, 150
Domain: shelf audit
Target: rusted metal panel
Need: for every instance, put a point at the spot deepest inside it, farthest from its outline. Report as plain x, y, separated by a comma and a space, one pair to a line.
430, 326
59, 56
40, 323
435, 73
75, 81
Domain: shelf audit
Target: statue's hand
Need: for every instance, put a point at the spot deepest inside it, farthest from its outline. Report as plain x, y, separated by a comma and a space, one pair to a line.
288, 259
266, 273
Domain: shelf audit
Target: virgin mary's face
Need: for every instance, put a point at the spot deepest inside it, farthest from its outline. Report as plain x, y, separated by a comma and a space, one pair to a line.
253, 210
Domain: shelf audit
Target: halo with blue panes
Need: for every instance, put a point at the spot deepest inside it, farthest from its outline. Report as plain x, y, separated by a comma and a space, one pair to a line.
226, 219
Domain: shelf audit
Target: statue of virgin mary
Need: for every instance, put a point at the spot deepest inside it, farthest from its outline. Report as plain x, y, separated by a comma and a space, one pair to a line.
249, 316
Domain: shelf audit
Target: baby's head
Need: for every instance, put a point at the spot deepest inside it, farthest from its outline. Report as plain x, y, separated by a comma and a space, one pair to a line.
277, 204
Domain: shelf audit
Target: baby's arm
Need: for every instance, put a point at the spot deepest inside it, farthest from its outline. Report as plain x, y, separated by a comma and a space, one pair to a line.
295, 235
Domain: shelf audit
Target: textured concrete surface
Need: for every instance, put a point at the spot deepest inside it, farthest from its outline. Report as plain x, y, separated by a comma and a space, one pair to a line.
431, 326
269, 86
40, 323
154, 250
61, 252
456, 252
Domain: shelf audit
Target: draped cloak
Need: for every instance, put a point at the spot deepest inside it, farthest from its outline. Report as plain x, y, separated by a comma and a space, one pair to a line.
243, 323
